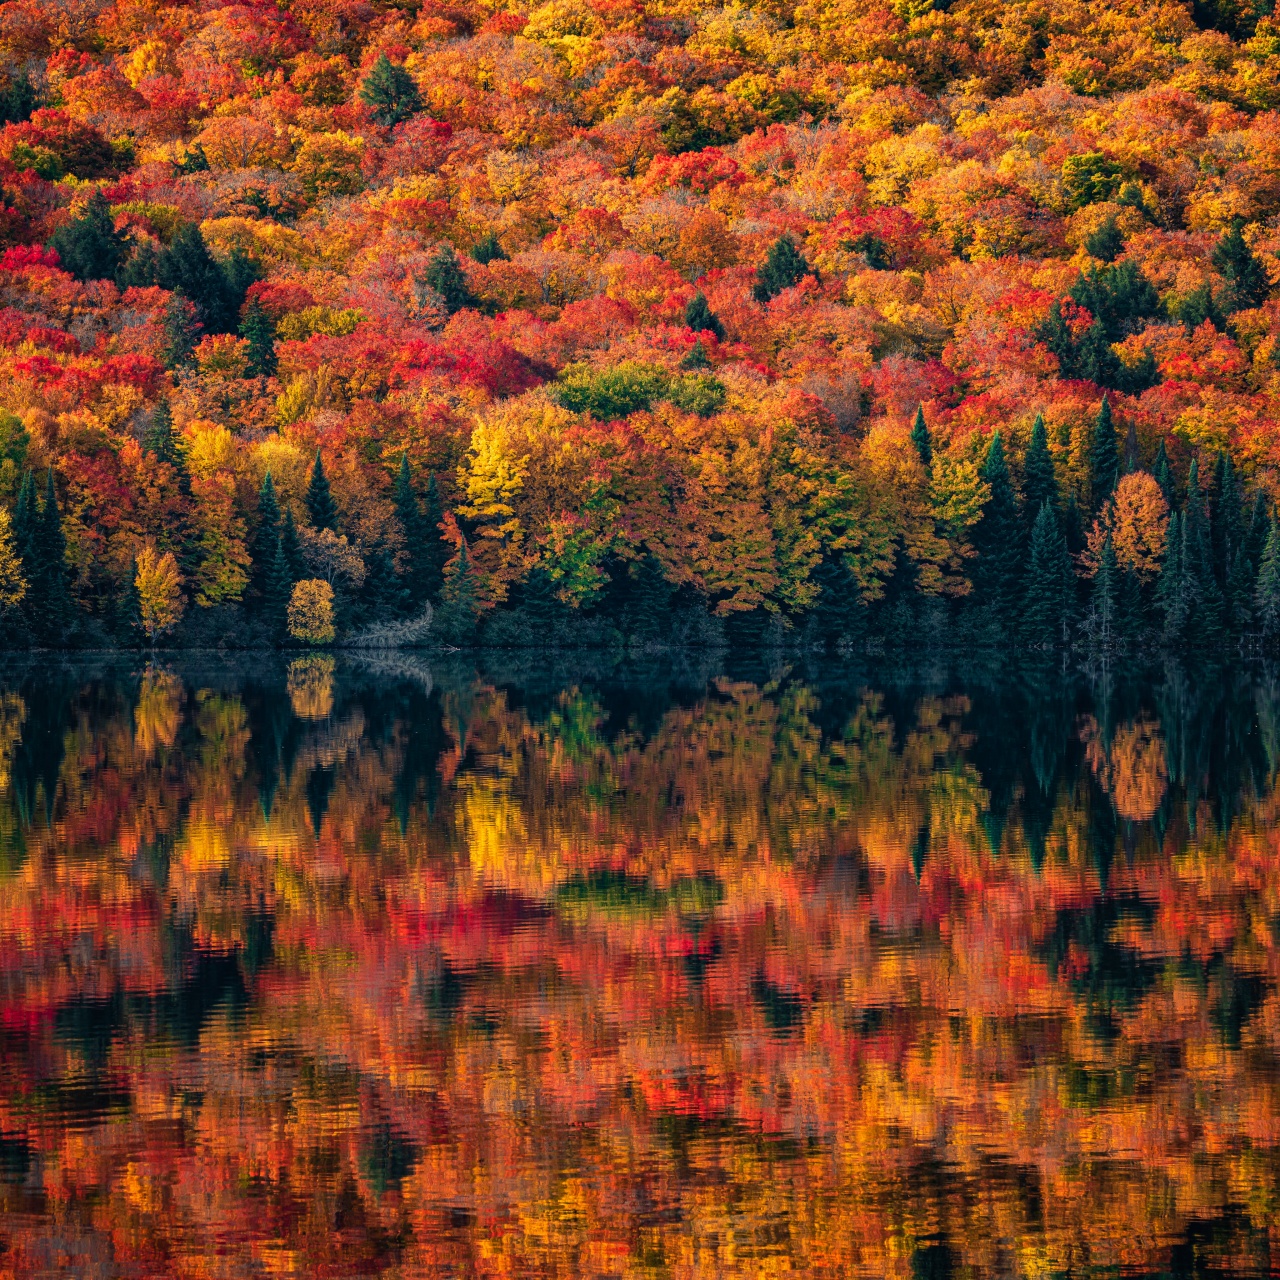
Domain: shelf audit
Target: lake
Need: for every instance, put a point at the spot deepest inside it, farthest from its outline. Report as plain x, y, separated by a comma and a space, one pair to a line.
404, 966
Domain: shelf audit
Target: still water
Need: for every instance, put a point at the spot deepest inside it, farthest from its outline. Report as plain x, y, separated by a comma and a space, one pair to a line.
384, 969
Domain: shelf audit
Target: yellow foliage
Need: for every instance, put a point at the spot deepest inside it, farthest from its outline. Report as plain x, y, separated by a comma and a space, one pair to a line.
311, 612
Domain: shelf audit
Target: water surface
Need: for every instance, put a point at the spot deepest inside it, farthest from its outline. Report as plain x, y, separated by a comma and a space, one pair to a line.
381, 968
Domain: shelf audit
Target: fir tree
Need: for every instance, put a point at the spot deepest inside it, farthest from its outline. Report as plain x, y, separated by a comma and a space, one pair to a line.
1200, 305
266, 538
1106, 242
139, 272
1266, 594
18, 98
415, 581
444, 274
1197, 557
701, 319
1163, 474
1095, 360
51, 604
292, 548
1227, 531
998, 537
489, 250
128, 622
160, 438
1104, 458
1039, 479
391, 93
25, 519
921, 439
89, 246
277, 584
785, 266
186, 266
436, 549
1173, 588
1244, 273
382, 593
321, 510
181, 331
696, 359
459, 609
1049, 600
259, 331
1100, 625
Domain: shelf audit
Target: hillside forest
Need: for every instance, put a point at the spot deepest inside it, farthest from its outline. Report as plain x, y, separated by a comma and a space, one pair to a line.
640, 320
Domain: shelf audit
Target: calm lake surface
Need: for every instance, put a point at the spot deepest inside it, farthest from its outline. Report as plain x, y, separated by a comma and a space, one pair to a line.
388, 968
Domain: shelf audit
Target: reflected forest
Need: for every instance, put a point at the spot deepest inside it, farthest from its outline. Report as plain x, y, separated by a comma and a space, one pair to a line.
351, 966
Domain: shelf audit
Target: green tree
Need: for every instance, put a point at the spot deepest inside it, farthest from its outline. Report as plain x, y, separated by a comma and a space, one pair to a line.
266, 536
390, 92
921, 439
277, 588
1039, 479
489, 249
291, 544
785, 266
321, 510
181, 331
444, 274
459, 613
50, 601
89, 246
1104, 458
1245, 275
1101, 627
1050, 595
1266, 593
259, 331
26, 514
701, 319
697, 358
1197, 561
1174, 595
160, 438
1163, 473
186, 266
998, 538
1106, 241
1203, 304
417, 580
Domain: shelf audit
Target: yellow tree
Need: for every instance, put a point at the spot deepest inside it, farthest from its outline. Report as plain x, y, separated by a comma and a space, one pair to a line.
159, 588
13, 586
311, 612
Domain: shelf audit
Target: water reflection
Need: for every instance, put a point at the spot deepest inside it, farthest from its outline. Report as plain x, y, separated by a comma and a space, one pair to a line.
358, 968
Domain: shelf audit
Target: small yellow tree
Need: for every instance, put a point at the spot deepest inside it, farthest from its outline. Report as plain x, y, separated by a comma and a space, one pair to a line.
159, 587
311, 612
13, 586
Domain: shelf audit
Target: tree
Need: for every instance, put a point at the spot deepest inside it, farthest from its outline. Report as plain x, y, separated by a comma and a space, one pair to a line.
89, 246
160, 438
277, 588
26, 513
310, 613
1136, 519
1162, 473
785, 266
13, 582
259, 331
1248, 285
1101, 623
49, 603
181, 331
291, 546
998, 538
321, 510
1050, 596
266, 537
186, 266
697, 358
390, 92
489, 249
1203, 304
921, 439
1039, 479
1174, 595
159, 587
1106, 241
701, 319
415, 579
444, 274
1104, 458
1266, 593
460, 603
1197, 561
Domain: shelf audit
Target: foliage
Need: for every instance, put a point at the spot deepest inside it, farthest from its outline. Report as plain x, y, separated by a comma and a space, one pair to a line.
311, 612
159, 588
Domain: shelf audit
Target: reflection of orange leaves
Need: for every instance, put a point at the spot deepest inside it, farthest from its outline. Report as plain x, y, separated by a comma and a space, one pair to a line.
1133, 772
158, 715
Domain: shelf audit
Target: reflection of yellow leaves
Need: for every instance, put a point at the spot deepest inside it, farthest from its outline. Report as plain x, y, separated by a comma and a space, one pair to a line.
205, 846
311, 687
158, 714
1134, 771
13, 712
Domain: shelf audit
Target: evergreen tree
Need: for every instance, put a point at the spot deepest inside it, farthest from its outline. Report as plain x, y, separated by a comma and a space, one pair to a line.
1104, 458
140, 270
444, 274
1094, 359
785, 266
391, 93
1101, 624
160, 438
18, 98
998, 538
89, 246
49, 595
1200, 305
1173, 589
1244, 273
436, 549
489, 250
1266, 595
1163, 474
186, 266
1050, 596
417, 580
1039, 479
1230, 548
291, 545
181, 331
696, 359
25, 519
266, 539
321, 510
459, 608
128, 620
921, 439
1106, 242
259, 331
382, 595
701, 319
1197, 557
650, 604
277, 584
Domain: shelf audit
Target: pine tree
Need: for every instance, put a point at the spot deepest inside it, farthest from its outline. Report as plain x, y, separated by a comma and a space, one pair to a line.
1104, 458
921, 439
1106, 242
1230, 550
382, 595
51, 604
391, 93
1173, 588
25, 513
444, 274
998, 538
181, 331
187, 266
1101, 624
1050, 596
1039, 479
259, 331
266, 539
1266, 595
436, 549
785, 266
1236, 263
89, 246
139, 272
415, 581
1197, 556
489, 250
459, 609
1095, 361
277, 585
292, 547
128, 620
701, 319
160, 438
321, 510
1200, 305
1163, 474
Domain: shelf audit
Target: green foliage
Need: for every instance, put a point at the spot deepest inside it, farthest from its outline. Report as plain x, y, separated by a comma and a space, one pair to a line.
489, 249
444, 274
423, 549
390, 92
1090, 178
920, 438
784, 267
632, 387
161, 439
259, 331
89, 246
1050, 591
1244, 273
1106, 242
1266, 593
186, 266
999, 539
48, 601
1203, 304
697, 358
1120, 297
459, 613
1104, 458
701, 319
1039, 479
321, 509
17, 97
1163, 474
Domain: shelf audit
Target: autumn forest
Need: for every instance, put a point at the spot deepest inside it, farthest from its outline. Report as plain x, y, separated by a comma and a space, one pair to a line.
640, 322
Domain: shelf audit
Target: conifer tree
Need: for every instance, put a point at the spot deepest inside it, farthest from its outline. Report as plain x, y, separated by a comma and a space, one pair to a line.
460, 608
277, 586
1230, 550
89, 246
1106, 243
292, 547
50, 599
700, 318
1173, 588
1039, 479
1198, 559
1050, 595
1266, 595
696, 359
489, 250
160, 438
25, 513
444, 274
391, 93
1239, 266
785, 266
1162, 473
186, 266
321, 510
997, 537
1101, 624
181, 331
1104, 458
921, 439
128, 621
266, 537
417, 581
259, 331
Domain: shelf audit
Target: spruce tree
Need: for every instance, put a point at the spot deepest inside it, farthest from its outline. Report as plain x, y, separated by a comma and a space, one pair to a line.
89, 246
1050, 595
1106, 242
181, 331
1101, 628
998, 538
1230, 549
1104, 458
1039, 479
186, 266
128, 619
1198, 566
444, 274
382, 595
785, 266
51, 613
1163, 474
1244, 273
321, 510
259, 331
921, 439
25, 518
1200, 305
1173, 588
437, 550
489, 250
415, 579
459, 608
1266, 594
277, 585
696, 360
266, 539
701, 319
292, 548
160, 438
391, 93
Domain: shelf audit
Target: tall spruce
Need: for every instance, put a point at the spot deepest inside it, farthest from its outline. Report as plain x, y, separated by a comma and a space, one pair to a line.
921, 439
1039, 479
1104, 458
259, 331
1174, 595
1198, 562
89, 246
1266, 594
321, 510
25, 518
1245, 275
436, 549
390, 92
445, 275
784, 266
415, 578
1163, 474
266, 538
700, 318
998, 538
291, 544
1101, 629
277, 586
1050, 592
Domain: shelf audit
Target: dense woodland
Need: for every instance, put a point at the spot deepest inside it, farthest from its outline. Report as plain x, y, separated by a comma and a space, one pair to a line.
656, 323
